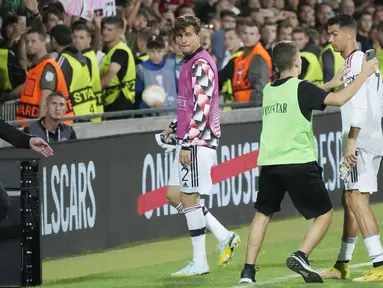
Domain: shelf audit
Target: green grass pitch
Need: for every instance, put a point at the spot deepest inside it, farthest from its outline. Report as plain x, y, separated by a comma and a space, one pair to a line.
149, 264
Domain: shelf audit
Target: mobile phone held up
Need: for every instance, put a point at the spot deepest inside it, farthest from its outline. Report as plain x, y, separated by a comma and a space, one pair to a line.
370, 54
22, 20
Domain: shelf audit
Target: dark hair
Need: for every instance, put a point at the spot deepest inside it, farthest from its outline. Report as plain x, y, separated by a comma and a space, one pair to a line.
82, 27
180, 7
361, 14
380, 26
142, 12
40, 32
225, 13
343, 21
303, 5
283, 25
62, 34
53, 11
55, 93
182, 22
145, 34
8, 20
300, 30
114, 20
251, 23
232, 29
284, 55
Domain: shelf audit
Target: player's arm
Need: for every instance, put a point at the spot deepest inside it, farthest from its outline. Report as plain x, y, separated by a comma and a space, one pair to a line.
204, 84
338, 80
341, 97
119, 58
48, 84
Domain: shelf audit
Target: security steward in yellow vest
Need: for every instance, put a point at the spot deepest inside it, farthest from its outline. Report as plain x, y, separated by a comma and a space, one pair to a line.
82, 39
11, 74
330, 61
311, 67
76, 72
118, 69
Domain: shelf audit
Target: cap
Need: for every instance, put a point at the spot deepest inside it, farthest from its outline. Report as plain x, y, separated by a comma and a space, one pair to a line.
156, 41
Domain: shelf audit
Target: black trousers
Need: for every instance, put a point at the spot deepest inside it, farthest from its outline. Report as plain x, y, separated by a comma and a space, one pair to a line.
5, 203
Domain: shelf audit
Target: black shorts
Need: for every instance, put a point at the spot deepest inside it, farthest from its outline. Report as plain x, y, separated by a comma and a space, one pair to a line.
304, 184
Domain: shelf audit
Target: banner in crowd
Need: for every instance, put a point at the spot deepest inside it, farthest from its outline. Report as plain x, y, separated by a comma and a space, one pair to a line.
88, 8
101, 193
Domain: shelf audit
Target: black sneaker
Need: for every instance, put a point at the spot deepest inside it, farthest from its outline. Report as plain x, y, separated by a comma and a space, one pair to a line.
247, 276
301, 266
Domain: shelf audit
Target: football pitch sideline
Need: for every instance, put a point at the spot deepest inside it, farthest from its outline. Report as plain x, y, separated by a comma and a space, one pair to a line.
149, 264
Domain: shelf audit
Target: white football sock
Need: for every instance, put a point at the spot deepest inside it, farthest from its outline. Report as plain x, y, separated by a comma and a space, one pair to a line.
197, 230
219, 231
374, 248
347, 247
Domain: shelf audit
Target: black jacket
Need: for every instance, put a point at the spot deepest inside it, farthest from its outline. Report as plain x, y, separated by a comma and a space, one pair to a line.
63, 132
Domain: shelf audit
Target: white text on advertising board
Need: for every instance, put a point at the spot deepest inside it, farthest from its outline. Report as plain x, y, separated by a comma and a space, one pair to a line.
68, 202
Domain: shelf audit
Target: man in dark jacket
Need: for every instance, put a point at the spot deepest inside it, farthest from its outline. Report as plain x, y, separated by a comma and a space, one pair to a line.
50, 127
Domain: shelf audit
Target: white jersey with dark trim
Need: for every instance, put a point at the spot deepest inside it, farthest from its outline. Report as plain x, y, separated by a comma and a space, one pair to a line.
364, 110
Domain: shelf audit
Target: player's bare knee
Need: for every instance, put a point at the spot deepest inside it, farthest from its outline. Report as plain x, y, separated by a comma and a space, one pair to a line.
173, 195
189, 199
358, 200
326, 216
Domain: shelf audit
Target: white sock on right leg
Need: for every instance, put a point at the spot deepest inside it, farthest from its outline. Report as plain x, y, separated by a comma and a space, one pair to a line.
197, 231
218, 230
347, 247
374, 248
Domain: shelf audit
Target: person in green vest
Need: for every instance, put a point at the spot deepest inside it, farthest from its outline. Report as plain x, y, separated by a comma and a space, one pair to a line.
288, 156
311, 68
82, 39
118, 69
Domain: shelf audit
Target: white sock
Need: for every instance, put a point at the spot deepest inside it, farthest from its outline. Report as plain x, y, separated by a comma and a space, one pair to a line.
374, 248
197, 230
346, 249
180, 208
219, 231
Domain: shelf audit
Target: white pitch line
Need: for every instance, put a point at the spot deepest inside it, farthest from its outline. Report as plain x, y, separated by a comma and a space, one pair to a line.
292, 276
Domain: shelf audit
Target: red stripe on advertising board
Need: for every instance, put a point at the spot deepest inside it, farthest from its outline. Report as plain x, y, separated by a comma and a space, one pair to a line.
231, 168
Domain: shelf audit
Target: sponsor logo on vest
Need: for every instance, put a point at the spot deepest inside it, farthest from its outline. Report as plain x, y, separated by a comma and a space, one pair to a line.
28, 110
275, 108
68, 201
82, 96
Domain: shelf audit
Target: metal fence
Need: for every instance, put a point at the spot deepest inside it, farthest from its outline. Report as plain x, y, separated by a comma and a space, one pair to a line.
124, 114
8, 110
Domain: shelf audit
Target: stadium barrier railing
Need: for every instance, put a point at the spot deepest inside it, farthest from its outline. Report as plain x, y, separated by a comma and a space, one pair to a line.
124, 114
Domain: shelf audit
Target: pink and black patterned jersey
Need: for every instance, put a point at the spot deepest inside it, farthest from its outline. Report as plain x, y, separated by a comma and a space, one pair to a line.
198, 121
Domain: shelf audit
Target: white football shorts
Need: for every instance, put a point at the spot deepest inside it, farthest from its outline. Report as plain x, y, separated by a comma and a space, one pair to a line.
364, 175
195, 177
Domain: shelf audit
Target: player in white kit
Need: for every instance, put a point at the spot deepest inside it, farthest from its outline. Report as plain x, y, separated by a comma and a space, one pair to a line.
362, 149
197, 128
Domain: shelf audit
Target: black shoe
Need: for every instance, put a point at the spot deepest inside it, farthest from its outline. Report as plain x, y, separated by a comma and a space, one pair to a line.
299, 265
247, 276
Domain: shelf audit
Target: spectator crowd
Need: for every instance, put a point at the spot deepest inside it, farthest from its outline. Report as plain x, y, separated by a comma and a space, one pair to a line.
56, 64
